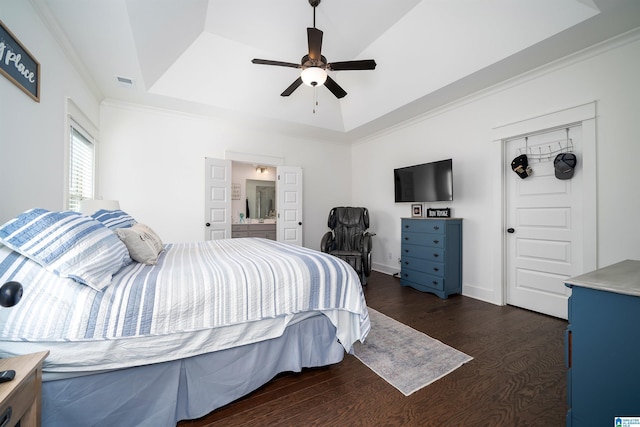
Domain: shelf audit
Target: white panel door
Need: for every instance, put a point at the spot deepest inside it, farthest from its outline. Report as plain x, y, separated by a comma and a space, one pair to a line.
544, 220
289, 190
217, 203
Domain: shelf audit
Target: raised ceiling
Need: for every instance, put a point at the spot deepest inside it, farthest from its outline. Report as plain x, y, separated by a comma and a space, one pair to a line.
195, 55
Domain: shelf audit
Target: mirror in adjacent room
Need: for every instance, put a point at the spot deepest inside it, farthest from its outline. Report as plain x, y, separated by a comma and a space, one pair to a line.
261, 199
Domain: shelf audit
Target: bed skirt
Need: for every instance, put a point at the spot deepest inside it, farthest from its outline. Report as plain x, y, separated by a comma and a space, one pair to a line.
164, 393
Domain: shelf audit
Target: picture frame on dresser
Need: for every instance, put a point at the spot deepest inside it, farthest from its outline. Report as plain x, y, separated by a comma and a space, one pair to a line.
416, 210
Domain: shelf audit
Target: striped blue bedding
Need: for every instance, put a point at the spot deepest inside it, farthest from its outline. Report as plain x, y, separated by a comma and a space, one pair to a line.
194, 288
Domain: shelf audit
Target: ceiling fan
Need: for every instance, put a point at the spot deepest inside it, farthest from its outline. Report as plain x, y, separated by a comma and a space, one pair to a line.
315, 66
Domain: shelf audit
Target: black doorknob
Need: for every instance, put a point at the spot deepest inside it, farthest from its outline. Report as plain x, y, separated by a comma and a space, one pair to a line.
510, 230
300, 223
208, 224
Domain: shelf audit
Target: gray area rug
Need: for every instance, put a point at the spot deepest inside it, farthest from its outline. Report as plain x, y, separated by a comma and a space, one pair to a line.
404, 357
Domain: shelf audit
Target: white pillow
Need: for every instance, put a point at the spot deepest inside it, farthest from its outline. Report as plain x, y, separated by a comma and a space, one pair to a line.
143, 243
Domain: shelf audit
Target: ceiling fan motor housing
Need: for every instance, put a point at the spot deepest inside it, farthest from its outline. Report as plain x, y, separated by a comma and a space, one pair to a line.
308, 62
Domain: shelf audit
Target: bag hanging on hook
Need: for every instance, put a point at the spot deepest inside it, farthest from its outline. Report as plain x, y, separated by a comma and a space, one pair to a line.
520, 165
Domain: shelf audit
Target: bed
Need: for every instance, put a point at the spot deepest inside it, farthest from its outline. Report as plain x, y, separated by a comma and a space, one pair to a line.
176, 335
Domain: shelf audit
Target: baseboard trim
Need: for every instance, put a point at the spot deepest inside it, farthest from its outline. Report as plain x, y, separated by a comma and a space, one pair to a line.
480, 294
385, 269
467, 290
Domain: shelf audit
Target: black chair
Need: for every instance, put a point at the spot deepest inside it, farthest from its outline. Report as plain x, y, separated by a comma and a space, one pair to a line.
349, 238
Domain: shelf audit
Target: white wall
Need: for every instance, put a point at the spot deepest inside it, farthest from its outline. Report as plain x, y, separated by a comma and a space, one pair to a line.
463, 131
33, 135
153, 162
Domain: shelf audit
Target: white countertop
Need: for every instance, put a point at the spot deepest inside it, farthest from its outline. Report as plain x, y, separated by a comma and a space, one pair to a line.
621, 278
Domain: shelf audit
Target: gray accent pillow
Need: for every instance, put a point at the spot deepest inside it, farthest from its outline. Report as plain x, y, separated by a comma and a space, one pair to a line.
143, 243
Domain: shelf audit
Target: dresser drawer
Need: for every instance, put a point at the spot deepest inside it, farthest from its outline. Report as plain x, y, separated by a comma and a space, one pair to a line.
423, 265
422, 226
434, 240
424, 279
424, 239
426, 252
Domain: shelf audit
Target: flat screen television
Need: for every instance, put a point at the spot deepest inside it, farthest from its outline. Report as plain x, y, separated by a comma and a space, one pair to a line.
428, 182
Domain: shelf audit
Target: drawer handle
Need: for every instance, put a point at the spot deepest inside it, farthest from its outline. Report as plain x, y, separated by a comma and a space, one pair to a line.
406, 275
6, 417
406, 250
436, 269
435, 227
406, 263
434, 282
406, 238
436, 241
436, 255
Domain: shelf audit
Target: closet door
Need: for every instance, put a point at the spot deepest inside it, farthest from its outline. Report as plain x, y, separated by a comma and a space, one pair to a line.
544, 216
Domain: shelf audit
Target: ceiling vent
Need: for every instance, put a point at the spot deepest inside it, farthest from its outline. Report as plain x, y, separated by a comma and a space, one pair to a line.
125, 81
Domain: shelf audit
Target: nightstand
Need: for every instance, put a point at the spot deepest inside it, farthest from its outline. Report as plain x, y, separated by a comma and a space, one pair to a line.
20, 398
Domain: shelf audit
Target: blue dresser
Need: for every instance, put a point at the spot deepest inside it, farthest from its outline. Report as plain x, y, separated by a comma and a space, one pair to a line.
431, 258
603, 346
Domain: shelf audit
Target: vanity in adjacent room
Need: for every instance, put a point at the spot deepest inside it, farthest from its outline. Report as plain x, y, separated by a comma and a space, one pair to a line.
264, 230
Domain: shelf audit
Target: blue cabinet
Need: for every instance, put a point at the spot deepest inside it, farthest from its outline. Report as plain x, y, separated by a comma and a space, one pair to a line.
431, 258
603, 346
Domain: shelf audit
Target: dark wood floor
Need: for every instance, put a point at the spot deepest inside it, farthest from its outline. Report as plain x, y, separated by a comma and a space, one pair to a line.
517, 377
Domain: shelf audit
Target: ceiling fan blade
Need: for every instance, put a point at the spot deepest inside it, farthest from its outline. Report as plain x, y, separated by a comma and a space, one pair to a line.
314, 37
335, 88
288, 91
364, 64
278, 63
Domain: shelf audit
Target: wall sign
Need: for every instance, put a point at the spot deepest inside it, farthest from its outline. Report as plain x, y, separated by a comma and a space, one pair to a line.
439, 213
18, 65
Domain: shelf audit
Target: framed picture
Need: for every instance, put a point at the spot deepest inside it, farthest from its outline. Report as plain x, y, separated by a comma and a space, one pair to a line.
416, 210
235, 191
18, 65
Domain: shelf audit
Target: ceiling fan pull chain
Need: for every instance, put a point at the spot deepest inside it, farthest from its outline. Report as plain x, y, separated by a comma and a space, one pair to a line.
315, 98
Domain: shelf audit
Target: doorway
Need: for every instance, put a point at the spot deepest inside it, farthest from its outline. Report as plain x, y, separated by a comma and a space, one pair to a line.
228, 201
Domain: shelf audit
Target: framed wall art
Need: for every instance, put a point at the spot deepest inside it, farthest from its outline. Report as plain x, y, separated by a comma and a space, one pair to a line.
18, 65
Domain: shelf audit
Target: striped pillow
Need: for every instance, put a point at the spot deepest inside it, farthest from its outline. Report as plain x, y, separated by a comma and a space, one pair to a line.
114, 219
68, 244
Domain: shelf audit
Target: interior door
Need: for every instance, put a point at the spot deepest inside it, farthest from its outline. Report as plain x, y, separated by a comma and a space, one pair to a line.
217, 204
289, 204
544, 224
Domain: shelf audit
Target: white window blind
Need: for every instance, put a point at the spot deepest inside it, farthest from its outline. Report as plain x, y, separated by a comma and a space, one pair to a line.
81, 167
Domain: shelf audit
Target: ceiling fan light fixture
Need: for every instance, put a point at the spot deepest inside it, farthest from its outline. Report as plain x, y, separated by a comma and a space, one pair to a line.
313, 76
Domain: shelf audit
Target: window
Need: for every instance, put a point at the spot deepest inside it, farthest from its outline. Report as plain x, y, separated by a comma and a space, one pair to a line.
81, 166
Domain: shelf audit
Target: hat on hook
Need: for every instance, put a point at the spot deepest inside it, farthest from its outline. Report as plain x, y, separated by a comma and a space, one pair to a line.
565, 164
520, 165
